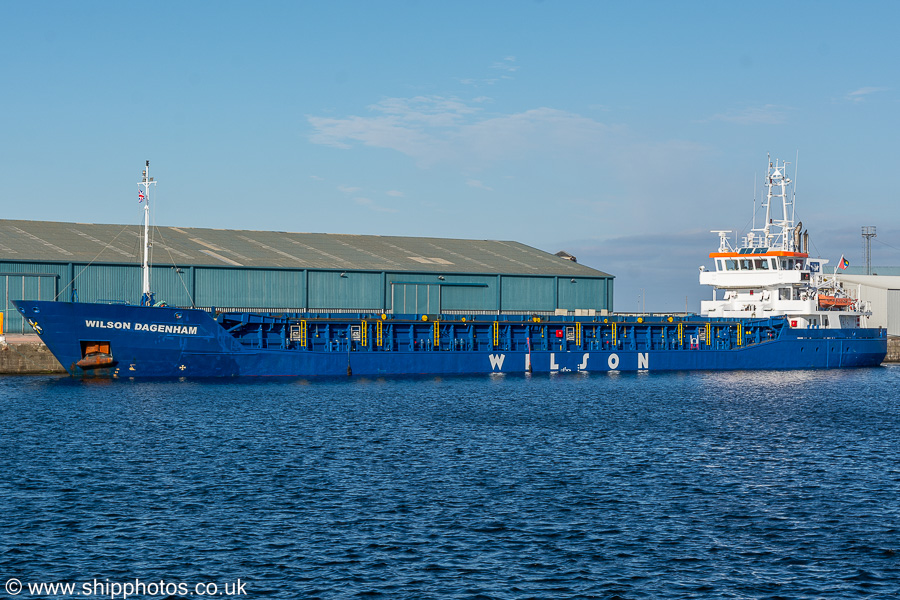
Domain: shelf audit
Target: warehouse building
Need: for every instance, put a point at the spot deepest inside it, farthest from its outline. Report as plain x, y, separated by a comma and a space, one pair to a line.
278, 271
881, 290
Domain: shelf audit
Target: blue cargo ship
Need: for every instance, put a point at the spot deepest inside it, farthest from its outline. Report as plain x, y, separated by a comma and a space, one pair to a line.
778, 310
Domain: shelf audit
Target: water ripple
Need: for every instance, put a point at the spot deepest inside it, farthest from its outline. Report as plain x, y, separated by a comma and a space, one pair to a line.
702, 485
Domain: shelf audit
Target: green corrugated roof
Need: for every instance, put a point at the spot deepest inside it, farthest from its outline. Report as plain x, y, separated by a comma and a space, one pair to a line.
86, 242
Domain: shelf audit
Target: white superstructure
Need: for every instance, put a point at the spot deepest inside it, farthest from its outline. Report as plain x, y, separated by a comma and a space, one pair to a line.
771, 273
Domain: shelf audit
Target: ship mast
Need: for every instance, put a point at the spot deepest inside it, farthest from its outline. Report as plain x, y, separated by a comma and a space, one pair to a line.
146, 182
777, 229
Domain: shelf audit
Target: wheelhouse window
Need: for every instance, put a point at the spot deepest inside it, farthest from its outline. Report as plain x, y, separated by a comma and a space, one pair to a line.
746, 264
731, 264
761, 263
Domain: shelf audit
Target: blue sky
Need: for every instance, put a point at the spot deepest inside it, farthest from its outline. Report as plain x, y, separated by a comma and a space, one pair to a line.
620, 132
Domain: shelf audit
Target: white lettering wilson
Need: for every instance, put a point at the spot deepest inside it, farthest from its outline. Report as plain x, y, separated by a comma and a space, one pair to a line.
108, 324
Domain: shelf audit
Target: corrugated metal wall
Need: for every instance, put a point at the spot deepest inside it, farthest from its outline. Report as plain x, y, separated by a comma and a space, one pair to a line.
416, 298
60, 269
17, 285
528, 294
455, 293
469, 293
230, 287
345, 290
172, 286
122, 284
256, 288
877, 299
109, 283
893, 312
581, 292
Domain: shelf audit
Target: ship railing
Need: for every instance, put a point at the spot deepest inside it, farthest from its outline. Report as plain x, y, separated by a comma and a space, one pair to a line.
289, 310
546, 313
375, 311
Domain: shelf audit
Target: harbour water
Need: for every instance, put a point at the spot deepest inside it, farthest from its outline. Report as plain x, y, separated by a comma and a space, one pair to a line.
653, 485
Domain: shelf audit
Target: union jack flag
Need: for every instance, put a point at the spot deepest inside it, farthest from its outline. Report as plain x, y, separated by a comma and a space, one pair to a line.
140, 196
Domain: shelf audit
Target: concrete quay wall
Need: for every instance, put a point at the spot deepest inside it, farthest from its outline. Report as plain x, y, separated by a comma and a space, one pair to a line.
27, 355
893, 353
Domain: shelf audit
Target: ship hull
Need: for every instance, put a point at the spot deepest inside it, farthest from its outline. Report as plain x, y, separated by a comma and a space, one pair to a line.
171, 342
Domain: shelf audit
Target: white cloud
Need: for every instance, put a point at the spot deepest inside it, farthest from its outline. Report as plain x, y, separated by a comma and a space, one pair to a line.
384, 132
348, 189
479, 185
412, 126
861, 94
480, 82
507, 64
769, 114
576, 160
435, 111
395, 193
435, 129
368, 203
521, 134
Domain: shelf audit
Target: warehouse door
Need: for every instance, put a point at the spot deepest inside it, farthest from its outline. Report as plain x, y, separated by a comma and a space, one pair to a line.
415, 298
893, 312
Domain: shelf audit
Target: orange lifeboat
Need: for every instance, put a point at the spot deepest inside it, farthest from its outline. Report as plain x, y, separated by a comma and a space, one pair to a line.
96, 360
834, 301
